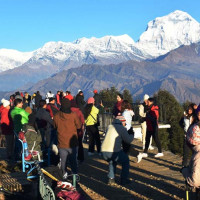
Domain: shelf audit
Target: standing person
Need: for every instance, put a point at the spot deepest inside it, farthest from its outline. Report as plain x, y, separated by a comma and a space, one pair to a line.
44, 123
27, 99
80, 101
67, 123
48, 96
97, 99
117, 107
128, 114
58, 99
38, 97
112, 150
152, 129
19, 117
12, 98
142, 112
80, 131
69, 96
90, 115
7, 126
191, 173
51, 107
188, 120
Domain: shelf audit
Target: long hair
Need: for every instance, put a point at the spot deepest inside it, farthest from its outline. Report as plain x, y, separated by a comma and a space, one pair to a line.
88, 109
126, 105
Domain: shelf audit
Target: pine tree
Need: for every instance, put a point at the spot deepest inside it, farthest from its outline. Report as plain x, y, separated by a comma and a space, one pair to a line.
127, 96
173, 111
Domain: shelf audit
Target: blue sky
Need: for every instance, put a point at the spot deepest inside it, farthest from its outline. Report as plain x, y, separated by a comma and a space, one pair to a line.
27, 25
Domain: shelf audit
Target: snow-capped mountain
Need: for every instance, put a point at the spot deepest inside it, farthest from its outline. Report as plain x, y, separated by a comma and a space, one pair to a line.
10, 59
162, 35
169, 32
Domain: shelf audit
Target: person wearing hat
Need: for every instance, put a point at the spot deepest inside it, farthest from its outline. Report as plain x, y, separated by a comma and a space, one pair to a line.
67, 122
7, 126
152, 115
91, 121
142, 113
112, 149
97, 99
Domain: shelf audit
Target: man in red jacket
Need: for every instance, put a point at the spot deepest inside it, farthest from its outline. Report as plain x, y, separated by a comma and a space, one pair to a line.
151, 119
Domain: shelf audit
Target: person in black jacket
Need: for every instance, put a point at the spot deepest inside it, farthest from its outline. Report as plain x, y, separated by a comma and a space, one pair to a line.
38, 97
80, 101
44, 123
98, 101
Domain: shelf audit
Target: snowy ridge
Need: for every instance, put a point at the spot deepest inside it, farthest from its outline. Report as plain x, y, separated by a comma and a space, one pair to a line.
10, 58
161, 36
169, 32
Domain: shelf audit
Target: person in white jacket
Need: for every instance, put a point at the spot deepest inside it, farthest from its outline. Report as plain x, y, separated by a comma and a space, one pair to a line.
142, 113
112, 150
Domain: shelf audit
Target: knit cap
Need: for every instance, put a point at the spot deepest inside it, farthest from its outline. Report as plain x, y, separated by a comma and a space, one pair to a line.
146, 96
90, 100
121, 118
5, 102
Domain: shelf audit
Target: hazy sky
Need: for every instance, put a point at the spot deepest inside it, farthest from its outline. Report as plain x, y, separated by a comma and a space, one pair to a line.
26, 25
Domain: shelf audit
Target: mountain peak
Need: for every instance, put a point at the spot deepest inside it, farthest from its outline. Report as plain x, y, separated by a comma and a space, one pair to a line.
166, 33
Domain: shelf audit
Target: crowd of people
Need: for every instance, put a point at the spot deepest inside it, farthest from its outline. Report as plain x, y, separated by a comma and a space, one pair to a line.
59, 122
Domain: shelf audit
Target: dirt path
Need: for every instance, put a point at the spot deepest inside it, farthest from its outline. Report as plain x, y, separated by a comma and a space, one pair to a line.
152, 178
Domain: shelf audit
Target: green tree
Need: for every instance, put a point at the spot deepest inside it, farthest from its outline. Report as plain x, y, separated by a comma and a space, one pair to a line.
127, 96
173, 111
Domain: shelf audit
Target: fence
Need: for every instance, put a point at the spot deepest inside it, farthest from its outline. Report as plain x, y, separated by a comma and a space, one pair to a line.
106, 116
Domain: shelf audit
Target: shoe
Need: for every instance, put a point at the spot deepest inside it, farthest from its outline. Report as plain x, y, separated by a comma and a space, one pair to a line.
90, 153
159, 155
111, 181
140, 156
151, 147
125, 181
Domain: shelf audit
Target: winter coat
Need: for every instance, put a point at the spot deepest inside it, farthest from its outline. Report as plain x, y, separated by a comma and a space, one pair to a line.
152, 118
97, 99
92, 117
38, 97
52, 109
115, 134
6, 121
192, 173
117, 108
80, 102
67, 125
19, 117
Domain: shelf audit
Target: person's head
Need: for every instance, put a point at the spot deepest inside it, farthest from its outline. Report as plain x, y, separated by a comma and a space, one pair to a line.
146, 97
68, 92
81, 93
95, 91
42, 103
190, 110
65, 106
119, 97
121, 119
52, 100
12, 97
18, 103
126, 105
49, 92
90, 100
38, 92
6, 103
150, 101
58, 92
